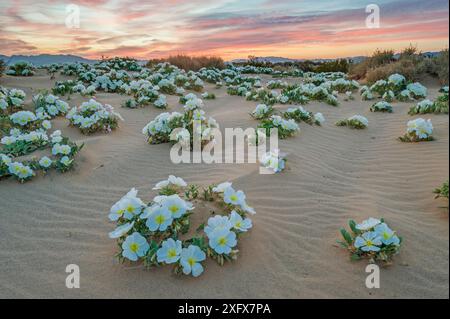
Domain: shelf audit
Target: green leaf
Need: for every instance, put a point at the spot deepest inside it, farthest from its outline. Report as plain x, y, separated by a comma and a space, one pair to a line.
346, 236
352, 225
355, 257
343, 244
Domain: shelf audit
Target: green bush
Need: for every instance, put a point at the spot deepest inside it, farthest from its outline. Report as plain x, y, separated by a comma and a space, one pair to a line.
2, 67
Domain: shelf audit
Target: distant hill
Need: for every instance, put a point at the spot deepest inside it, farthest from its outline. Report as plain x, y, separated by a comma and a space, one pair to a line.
45, 59
276, 60
355, 59
42, 59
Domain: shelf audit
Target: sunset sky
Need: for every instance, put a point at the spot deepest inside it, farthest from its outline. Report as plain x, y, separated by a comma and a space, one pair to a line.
228, 28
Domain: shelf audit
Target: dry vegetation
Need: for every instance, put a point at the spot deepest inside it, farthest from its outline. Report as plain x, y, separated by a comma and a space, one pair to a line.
410, 63
2, 67
191, 63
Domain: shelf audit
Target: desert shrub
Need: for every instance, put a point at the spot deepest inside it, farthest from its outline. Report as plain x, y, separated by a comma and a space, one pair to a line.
438, 66
409, 67
189, 63
442, 191
2, 67
378, 58
21, 68
340, 65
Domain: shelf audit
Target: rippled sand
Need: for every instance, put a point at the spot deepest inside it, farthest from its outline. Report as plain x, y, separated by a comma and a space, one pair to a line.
334, 173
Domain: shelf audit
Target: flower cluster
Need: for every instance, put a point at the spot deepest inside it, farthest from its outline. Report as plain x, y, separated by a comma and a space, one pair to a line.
277, 84
50, 104
63, 155
418, 130
273, 161
158, 130
27, 120
11, 100
286, 128
262, 111
63, 88
152, 233
19, 143
182, 128
208, 96
427, 106
382, 106
92, 116
372, 239
84, 90
299, 114
394, 87
21, 68
355, 121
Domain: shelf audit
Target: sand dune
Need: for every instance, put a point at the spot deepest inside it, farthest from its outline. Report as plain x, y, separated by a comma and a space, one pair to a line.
334, 173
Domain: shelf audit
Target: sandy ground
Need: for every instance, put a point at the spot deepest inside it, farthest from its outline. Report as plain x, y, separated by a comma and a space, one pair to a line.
334, 174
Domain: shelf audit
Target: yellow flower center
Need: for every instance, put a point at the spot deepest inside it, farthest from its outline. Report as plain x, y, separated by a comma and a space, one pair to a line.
160, 219
172, 253
222, 241
134, 247
120, 212
233, 198
369, 243
238, 224
191, 261
130, 209
386, 235
174, 208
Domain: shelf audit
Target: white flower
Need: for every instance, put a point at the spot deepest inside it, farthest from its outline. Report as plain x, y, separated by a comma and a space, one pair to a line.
417, 90
22, 118
222, 240
20, 170
368, 241
239, 223
127, 207
387, 235
190, 260
45, 162
319, 118
8, 140
121, 230
230, 196
66, 161
221, 187
135, 246
175, 205
170, 251
5, 159
368, 224
157, 218
273, 161
396, 79
420, 127
217, 222
177, 181
261, 111
359, 118
193, 103
47, 124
